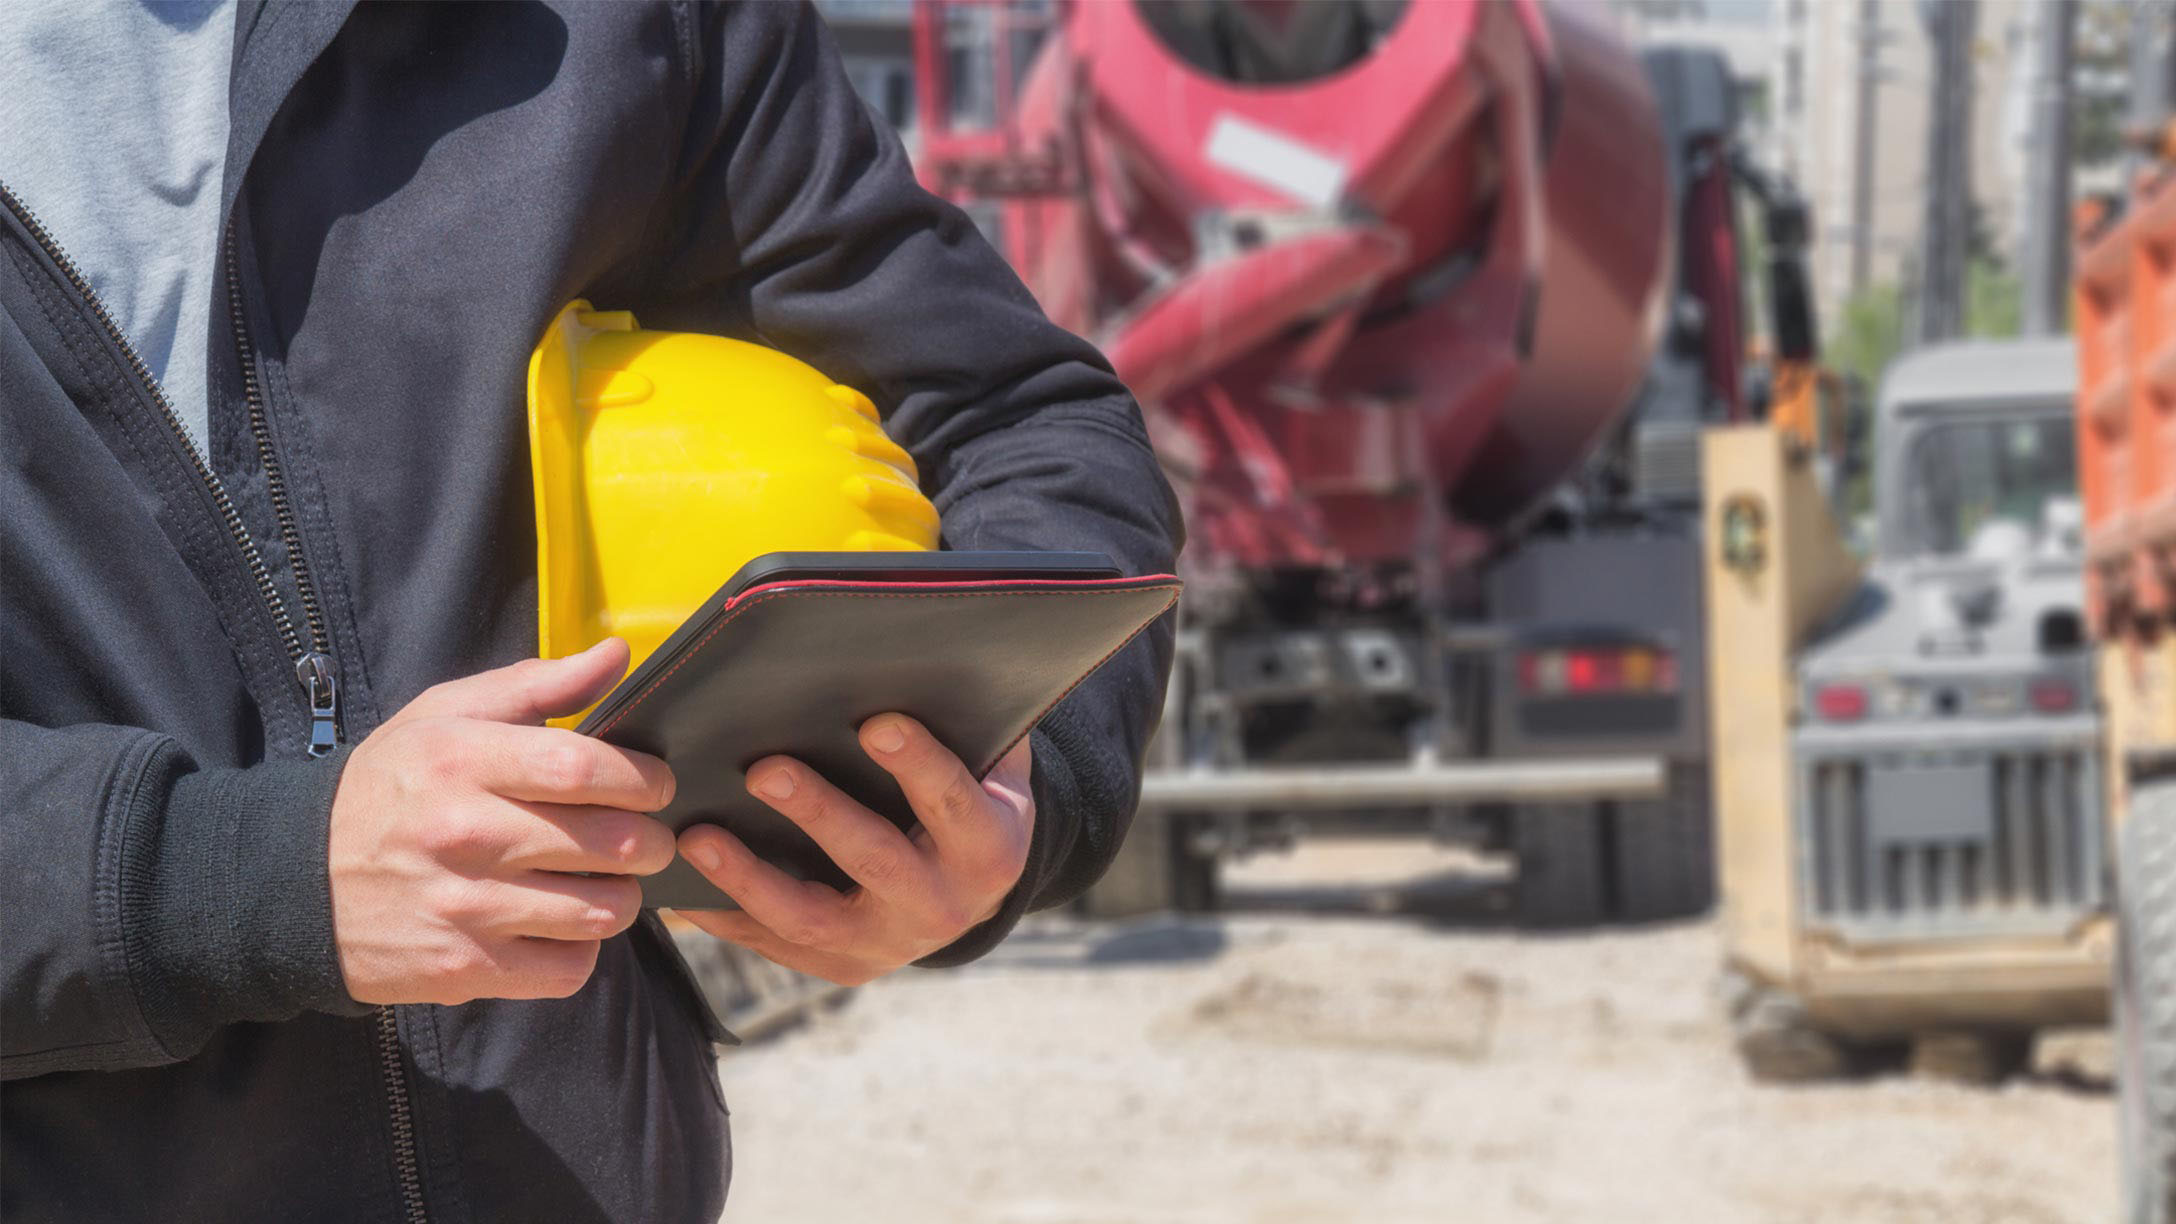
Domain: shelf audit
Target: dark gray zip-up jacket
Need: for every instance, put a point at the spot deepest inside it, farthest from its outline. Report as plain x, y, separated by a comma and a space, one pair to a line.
413, 192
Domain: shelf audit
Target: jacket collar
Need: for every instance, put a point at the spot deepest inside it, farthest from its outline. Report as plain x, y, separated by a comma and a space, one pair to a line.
275, 42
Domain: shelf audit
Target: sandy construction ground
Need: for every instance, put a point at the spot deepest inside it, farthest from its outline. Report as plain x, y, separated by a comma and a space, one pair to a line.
1363, 1040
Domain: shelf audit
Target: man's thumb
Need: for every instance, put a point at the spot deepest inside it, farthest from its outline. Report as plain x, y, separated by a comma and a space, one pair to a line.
529, 691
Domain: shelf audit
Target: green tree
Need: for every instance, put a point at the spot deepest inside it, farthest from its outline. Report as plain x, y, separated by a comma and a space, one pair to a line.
1867, 333
1993, 305
2101, 68
1869, 329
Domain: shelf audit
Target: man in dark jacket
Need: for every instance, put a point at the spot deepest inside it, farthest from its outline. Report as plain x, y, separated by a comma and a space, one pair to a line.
251, 972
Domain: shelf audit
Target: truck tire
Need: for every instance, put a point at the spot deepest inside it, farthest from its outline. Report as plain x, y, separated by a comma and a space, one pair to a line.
1979, 1059
1664, 857
1195, 887
1155, 871
2145, 1003
1561, 881
1779, 1045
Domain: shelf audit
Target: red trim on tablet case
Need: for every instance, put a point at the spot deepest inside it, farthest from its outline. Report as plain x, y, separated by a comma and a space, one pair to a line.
861, 589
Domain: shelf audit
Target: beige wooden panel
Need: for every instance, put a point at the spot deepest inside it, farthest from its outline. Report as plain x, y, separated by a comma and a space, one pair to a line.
1758, 615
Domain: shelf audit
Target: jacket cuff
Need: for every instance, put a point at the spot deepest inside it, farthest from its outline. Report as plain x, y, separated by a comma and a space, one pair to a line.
226, 903
1057, 800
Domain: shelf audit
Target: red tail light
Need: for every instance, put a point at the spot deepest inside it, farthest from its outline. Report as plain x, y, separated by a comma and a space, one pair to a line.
1583, 671
1840, 702
2052, 696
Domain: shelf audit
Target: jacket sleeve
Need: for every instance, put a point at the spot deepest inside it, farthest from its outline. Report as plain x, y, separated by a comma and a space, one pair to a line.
797, 221
149, 902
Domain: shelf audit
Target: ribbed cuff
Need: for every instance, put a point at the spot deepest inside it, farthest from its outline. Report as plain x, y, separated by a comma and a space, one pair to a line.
226, 905
1057, 801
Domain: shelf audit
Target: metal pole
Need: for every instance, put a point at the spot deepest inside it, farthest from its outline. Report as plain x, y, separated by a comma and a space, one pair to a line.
2165, 41
2046, 280
1362, 786
2148, 86
2149, 76
1947, 215
1862, 157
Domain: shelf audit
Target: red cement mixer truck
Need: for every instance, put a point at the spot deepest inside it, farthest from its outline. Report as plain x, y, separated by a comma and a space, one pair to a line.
1426, 304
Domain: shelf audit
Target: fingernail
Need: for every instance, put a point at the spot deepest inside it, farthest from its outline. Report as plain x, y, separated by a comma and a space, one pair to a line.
887, 737
777, 785
704, 855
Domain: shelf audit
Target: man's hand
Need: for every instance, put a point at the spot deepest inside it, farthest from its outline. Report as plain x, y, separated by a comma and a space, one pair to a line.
455, 826
917, 893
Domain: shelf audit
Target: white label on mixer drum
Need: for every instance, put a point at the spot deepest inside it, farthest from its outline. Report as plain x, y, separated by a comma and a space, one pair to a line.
1275, 160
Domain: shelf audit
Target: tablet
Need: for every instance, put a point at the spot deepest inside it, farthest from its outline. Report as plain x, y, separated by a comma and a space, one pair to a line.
798, 650
894, 567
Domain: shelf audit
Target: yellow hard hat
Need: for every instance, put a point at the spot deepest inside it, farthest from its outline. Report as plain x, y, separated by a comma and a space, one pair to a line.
664, 461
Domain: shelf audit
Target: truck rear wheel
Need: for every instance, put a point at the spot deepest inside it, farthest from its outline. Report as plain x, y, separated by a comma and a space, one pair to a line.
1664, 851
1779, 1045
1980, 1059
1561, 880
1195, 888
2145, 1003
1155, 870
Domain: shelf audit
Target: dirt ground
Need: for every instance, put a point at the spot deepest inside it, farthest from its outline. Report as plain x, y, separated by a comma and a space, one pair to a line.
1362, 1039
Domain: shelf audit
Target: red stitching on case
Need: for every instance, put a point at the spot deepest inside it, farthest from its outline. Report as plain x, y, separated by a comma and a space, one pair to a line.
957, 590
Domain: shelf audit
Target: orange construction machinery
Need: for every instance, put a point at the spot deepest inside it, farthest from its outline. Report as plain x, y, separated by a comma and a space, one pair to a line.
2126, 422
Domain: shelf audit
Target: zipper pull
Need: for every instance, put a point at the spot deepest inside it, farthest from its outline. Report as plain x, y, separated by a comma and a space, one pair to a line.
315, 672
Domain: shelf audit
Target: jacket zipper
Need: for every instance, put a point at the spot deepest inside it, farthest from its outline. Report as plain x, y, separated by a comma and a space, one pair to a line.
314, 668
406, 1166
312, 660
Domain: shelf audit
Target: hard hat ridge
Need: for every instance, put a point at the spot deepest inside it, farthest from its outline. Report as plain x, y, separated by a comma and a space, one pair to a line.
664, 461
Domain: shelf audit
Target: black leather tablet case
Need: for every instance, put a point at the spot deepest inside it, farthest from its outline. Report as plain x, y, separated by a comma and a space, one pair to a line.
798, 666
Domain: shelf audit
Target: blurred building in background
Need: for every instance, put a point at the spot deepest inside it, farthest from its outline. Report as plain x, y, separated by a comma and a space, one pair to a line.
1829, 63
1741, 31
1842, 88
1841, 96
876, 41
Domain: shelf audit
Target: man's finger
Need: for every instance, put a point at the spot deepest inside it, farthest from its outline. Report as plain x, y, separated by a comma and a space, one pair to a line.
868, 848
803, 912
553, 765
569, 837
547, 905
527, 692
735, 926
540, 968
960, 816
